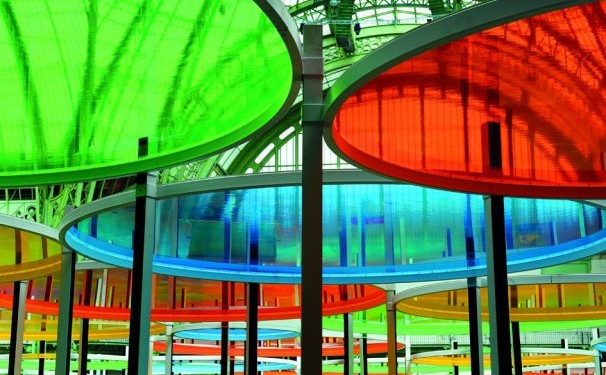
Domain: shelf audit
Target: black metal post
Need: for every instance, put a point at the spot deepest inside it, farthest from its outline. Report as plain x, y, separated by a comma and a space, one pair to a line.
143, 246
476, 344
84, 325
252, 317
392, 344
311, 239
224, 329
517, 348
496, 265
15, 350
66, 301
364, 351
348, 344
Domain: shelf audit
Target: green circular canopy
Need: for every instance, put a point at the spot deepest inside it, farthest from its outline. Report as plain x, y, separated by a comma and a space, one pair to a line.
83, 81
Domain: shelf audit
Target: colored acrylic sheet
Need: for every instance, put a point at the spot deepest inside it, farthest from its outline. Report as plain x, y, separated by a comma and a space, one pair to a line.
373, 233
83, 81
537, 83
529, 303
26, 254
235, 334
186, 300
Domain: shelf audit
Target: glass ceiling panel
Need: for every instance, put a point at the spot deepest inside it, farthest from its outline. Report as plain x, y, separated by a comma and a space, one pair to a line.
405, 232
537, 82
83, 81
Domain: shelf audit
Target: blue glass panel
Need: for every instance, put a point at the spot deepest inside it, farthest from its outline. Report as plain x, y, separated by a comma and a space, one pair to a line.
390, 230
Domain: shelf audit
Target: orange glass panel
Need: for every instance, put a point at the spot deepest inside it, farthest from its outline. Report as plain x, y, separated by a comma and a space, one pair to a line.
528, 303
188, 300
540, 81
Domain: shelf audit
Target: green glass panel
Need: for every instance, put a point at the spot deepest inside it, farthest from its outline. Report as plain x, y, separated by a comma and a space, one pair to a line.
82, 81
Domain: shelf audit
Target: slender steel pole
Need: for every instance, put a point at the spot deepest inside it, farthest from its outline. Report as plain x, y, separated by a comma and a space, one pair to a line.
252, 316
66, 301
224, 329
143, 243
311, 241
517, 348
84, 325
496, 265
348, 344
168, 360
364, 355
17, 325
392, 345
476, 346
252, 327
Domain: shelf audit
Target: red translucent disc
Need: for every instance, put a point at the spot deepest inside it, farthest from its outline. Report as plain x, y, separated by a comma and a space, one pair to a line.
538, 81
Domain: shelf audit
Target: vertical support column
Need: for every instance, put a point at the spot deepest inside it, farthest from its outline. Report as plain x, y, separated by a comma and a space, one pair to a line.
47, 295
595, 334
564, 345
476, 342
311, 236
66, 301
498, 306
17, 325
392, 344
224, 329
515, 335
252, 328
143, 247
496, 264
252, 317
168, 359
455, 369
364, 355
408, 351
84, 325
348, 344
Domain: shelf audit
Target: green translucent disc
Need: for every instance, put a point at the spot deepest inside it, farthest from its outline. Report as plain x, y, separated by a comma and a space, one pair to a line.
83, 80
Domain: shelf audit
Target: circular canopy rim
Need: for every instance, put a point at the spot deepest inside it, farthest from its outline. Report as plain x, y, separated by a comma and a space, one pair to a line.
536, 314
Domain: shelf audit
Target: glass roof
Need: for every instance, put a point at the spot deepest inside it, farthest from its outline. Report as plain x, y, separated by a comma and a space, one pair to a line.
537, 83
405, 232
83, 82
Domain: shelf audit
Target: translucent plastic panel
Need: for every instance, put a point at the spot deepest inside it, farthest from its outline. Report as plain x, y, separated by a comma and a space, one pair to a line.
536, 302
537, 82
364, 225
184, 299
83, 81
25, 255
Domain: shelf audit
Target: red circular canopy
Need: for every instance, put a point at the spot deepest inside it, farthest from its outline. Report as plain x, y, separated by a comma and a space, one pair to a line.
530, 93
